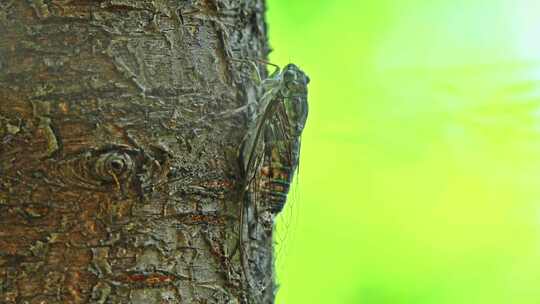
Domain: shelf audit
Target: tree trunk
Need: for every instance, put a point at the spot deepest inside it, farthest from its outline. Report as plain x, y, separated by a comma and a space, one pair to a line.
119, 177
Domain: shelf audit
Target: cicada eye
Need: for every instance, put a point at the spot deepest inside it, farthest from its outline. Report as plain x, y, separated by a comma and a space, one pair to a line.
289, 75
307, 79
113, 165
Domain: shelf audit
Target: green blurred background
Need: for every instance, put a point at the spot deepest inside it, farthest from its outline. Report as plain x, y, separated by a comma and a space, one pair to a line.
420, 167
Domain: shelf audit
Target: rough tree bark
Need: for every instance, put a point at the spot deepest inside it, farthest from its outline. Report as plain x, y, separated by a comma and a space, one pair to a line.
119, 180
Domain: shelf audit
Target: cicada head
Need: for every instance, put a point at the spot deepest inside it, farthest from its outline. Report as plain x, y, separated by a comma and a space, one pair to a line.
294, 93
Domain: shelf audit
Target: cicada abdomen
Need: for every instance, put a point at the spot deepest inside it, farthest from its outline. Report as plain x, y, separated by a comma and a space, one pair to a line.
278, 166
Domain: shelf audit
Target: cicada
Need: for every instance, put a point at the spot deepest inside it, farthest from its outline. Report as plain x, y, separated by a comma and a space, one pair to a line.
269, 153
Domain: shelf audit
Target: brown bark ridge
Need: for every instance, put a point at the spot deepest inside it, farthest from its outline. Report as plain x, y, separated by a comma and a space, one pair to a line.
119, 180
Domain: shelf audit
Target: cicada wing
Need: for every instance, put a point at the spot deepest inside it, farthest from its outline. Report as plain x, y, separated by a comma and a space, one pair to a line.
269, 157
266, 193
269, 161
251, 144
275, 174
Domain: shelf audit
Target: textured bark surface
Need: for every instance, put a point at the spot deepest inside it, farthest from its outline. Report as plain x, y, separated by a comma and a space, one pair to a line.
119, 180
